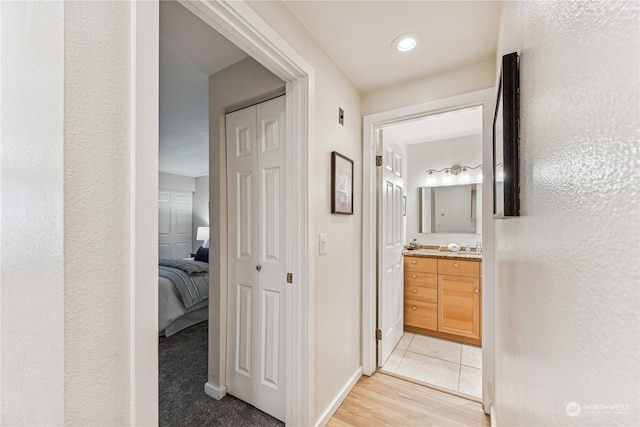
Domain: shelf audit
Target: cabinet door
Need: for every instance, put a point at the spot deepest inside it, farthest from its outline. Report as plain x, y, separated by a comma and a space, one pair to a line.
459, 305
422, 265
421, 314
417, 278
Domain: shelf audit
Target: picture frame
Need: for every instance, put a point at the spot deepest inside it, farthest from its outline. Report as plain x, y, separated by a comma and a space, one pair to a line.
341, 184
506, 121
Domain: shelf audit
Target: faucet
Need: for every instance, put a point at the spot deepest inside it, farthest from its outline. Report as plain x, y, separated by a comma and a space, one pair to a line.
478, 247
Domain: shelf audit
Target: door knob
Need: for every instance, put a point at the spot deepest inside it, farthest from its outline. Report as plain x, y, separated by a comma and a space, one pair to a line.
414, 276
414, 307
258, 267
477, 291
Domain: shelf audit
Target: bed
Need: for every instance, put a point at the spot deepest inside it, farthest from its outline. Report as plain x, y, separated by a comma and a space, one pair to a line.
183, 294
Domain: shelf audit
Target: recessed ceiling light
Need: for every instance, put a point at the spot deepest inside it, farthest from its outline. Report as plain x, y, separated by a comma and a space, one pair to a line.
406, 42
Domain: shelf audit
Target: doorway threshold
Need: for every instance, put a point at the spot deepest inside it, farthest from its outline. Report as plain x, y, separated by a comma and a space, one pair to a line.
427, 385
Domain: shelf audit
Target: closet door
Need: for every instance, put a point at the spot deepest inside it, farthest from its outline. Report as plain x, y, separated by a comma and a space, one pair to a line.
174, 223
257, 256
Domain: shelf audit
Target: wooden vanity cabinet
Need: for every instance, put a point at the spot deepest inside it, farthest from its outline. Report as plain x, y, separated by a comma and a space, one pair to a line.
421, 293
442, 297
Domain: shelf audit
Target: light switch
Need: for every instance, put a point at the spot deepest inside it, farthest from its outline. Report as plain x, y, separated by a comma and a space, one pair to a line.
323, 244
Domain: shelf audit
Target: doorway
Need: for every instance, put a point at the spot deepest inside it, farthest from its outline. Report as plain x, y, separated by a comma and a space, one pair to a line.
372, 125
443, 182
236, 21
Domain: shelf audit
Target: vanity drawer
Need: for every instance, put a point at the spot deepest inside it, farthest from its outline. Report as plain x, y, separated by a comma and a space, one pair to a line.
420, 293
417, 278
455, 267
425, 265
421, 314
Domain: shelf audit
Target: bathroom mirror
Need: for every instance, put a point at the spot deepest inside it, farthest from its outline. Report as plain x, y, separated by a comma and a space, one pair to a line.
450, 209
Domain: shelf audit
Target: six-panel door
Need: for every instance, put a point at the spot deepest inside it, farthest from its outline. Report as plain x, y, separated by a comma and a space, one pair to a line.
257, 255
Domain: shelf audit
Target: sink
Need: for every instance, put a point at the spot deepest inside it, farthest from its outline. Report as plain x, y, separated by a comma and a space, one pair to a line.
473, 254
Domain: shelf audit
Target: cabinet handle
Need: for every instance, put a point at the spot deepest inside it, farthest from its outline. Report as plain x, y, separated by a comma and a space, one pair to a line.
414, 291
477, 291
414, 308
455, 265
414, 261
413, 276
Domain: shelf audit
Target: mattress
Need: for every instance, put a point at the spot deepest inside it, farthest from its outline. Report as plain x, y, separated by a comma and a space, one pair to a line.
172, 314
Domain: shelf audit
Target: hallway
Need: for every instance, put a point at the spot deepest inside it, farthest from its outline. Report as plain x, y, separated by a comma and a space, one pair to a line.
382, 400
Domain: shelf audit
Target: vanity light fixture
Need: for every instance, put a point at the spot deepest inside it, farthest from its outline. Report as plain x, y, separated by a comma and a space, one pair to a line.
431, 179
464, 176
453, 171
406, 42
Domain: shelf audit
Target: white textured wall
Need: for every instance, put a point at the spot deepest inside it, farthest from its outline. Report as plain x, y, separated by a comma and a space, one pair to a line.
31, 222
242, 81
200, 208
466, 150
66, 213
97, 156
176, 182
338, 281
568, 270
480, 75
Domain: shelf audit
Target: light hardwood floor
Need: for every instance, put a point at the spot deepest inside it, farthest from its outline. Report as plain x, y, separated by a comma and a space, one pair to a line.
382, 400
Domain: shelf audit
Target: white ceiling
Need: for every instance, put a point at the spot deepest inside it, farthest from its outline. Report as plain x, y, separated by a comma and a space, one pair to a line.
357, 35
452, 124
190, 51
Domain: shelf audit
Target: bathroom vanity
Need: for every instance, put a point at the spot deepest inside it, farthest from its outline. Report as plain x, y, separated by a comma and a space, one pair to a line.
442, 294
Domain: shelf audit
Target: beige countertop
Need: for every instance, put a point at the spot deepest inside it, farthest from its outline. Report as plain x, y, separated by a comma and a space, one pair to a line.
435, 253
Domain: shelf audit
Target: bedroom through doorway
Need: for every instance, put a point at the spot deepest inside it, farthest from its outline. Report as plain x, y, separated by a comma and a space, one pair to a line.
202, 75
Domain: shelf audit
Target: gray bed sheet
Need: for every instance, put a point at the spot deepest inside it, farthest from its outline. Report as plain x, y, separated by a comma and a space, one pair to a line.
172, 315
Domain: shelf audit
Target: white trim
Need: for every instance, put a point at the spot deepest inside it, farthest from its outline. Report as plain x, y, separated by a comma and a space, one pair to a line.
492, 416
144, 202
335, 404
372, 122
215, 392
240, 24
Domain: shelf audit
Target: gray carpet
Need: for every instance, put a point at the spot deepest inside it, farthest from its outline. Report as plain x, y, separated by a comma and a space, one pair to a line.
183, 373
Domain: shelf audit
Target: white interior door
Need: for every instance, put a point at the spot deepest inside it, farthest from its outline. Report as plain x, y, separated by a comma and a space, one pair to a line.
174, 223
390, 243
257, 255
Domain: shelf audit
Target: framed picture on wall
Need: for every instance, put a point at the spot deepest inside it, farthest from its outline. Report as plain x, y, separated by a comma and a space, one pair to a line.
506, 171
341, 184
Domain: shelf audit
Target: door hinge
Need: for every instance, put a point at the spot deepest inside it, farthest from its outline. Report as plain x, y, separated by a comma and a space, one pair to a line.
289, 277
378, 334
378, 160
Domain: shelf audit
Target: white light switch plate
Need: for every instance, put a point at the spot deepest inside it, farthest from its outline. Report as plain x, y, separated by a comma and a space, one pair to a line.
322, 249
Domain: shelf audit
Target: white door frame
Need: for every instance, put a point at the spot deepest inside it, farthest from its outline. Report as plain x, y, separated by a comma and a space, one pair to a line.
372, 123
241, 25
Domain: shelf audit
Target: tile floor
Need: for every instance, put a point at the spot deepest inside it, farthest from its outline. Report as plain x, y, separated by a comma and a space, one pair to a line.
446, 364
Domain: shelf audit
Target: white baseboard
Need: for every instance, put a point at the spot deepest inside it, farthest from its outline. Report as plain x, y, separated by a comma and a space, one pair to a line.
333, 407
492, 416
215, 392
